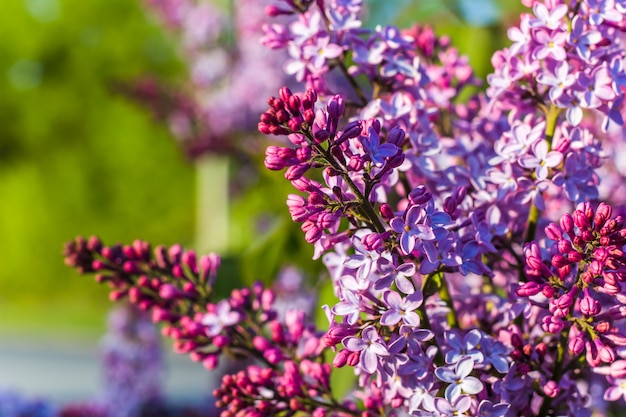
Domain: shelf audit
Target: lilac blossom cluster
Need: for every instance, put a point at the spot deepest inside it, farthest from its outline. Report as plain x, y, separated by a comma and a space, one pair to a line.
475, 270
171, 283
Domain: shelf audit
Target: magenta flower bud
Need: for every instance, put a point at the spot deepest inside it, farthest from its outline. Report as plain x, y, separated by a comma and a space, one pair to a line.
565, 246
273, 11
267, 299
552, 324
296, 171
319, 412
529, 289
210, 362
169, 292
134, 295
117, 295
189, 258
309, 116
574, 256
335, 107
558, 261
221, 341
174, 252
567, 224
282, 117
605, 353
178, 271
309, 98
303, 154
350, 131
273, 356
603, 213
588, 305
576, 345
548, 291
581, 220
386, 211
293, 104
551, 389
553, 232
295, 124
98, 265
285, 93
264, 128
160, 314
419, 195
94, 244
353, 358
312, 233
617, 312
618, 369
374, 241
355, 163
617, 339
396, 136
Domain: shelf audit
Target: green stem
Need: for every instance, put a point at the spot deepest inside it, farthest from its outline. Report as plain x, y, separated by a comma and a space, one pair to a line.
444, 294
552, 115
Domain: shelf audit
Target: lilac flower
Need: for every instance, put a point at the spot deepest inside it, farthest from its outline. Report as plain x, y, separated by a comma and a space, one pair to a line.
542, 160
598, 88
550, 45
583, 40
412, 229
363, 260
369, 346
521, 36
401, 308
551, 19
459, 378
350, 306
374, 150
488, 409
320, 52
467, 346
558, 82
400, 274
459, 406
617, 389
601, 10
222, 317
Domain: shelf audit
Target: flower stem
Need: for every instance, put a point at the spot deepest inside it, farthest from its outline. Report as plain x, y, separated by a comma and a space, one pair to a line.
552, 115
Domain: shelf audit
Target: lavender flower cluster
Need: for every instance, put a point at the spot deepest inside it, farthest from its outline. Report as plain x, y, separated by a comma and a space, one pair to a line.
477, 260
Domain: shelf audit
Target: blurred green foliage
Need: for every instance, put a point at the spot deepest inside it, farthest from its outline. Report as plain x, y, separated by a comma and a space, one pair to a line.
78, 158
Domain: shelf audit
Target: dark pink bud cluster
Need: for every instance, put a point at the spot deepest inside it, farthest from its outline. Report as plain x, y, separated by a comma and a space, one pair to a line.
295, 387
582, 280
288, 113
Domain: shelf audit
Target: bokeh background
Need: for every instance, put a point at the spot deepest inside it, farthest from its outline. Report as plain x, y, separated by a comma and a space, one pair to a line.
78, 157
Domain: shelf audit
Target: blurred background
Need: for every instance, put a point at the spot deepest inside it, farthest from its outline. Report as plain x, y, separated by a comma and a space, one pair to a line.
80, 154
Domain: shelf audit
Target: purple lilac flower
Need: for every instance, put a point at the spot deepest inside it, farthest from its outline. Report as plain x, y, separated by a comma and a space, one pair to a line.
223, 316
401, 308
459, 378
370, 346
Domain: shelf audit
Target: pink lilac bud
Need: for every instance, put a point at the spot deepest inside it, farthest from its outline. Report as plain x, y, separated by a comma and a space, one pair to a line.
588, 305
618, 369
551, 389
529, 289
567, 224
210, 362
553, 324
553, 232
